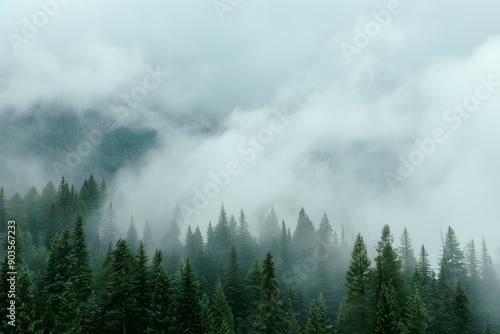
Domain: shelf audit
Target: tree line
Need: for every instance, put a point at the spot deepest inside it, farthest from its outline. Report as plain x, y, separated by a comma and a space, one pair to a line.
76, 274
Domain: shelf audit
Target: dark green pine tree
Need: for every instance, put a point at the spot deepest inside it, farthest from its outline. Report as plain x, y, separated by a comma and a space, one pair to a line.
132, 236
33, 222
82, 271
285, 248
461, 320
51, 225
142, 285
441, 305
246, 244
60, 269
121, 313
388, 314
406, 255
161, 305
271, 318
416, 315
64, 203
388, 268
356, 314
91, 315
190, 309
452, 259
27, 319
68, 319
252, 286
318, 322
233, 286
222, 316
222, 237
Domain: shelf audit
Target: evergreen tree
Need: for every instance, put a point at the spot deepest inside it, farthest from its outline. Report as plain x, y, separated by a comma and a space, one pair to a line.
109, 230
461, 319
3, 211
132, 236
142, 286
121, 311
68, 320
452, 259
233, 286
317, 322
304, 236
285, 248
160, 310
406, 255
82, 272
356, 311
388, 268
269, 229
246, 244
271, 317
221, 311
252, 286
325, 231
222, 237
27, 319
60, 269
388, 318
416, 315
190, 308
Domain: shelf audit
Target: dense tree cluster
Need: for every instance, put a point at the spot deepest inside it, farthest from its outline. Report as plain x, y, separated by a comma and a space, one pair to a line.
75, 274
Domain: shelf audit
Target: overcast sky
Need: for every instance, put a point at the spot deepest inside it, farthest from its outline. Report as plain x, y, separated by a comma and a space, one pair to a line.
356, 103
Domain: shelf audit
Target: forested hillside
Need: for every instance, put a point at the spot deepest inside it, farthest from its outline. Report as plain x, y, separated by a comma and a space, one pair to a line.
75, 274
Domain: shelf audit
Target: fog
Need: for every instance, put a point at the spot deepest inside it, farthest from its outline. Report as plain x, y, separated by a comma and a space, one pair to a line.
270, 91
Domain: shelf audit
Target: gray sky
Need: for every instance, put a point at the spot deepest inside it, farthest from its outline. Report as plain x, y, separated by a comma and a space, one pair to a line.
352, 116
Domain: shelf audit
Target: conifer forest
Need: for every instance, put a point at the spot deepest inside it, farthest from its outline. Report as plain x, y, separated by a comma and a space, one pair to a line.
249, 167
76, 274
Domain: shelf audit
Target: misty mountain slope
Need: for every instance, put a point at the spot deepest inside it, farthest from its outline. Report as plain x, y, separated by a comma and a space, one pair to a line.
61, 142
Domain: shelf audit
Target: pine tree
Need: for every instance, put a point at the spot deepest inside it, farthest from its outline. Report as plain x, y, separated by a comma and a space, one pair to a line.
325, 231
160, 309
461, 319
388, 318
233, 286
221, 311
356, 311
3, 211
304, 236
317, 322
285, 248
246, 244
406, 255
27, 318
68, 320
452, 259
109, 230
142, 286
60, 269
121, 310
132, 236
252, 286
222, 237
82, 271
271, 317
388, 268
190, 309
416, 315
269, 229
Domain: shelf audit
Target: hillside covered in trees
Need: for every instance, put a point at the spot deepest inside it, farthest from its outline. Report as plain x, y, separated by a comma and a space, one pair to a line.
75, 274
